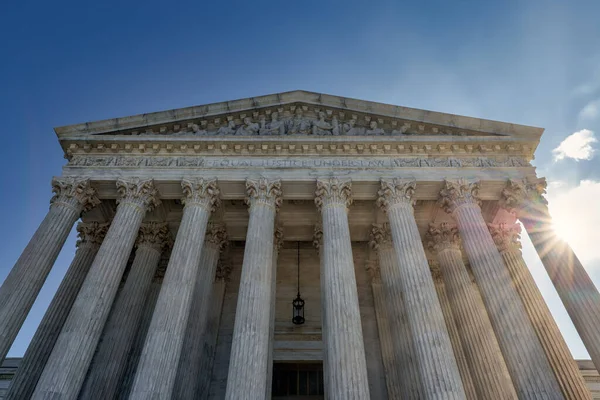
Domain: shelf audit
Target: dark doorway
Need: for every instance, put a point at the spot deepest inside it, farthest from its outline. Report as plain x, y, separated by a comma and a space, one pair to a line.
297, 381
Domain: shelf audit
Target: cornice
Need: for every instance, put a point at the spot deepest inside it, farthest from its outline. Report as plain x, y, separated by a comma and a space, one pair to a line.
422, 122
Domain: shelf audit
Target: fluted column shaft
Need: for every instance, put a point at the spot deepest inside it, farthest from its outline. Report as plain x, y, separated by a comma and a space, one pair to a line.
459, 353
564, 366
346, 362
250, 343
386, 340
188, 377
529, 369
573, 284
26, 377
472, 323
110, 360
211, 333
26, 278
68, 363
438, 370
140, 336
405, 367
157, 368
277, 243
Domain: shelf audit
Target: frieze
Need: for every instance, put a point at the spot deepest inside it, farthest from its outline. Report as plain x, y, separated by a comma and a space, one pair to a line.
294, 162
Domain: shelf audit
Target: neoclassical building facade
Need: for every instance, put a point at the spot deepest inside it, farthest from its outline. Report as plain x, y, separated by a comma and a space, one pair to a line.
398, 228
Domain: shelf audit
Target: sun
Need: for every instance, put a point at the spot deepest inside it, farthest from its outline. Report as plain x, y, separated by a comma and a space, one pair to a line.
564, 227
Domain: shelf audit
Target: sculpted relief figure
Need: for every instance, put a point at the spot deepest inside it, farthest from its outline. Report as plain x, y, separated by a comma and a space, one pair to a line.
349, 128
321, 127
228, 129
275, 127
374, 130
402, 129
299, 124
248, 127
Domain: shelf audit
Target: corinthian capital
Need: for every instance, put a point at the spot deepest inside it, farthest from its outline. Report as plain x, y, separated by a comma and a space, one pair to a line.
138, 192
396, 191
506, 236
458, 192
154, 235
318, 237
332, 192
91, 233
216, 236
380, 237
264, 191
202, 192
278, 238
442, 237
74, 192
520, 194
224, 269
374, 271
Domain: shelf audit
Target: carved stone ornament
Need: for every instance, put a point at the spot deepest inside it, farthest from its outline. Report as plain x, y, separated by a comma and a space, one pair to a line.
442, 237
436, 271
216, 236
520, 194
380, 237
154, 235
264, 191
224, 269
333, 191
458, 192
318, 236
91, 233
278, 238
202, 192
396, 191
74, 193
372, 267
159, 274
139, 192
506, 236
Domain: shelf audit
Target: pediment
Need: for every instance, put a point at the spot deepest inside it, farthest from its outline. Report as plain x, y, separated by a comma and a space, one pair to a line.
298, 114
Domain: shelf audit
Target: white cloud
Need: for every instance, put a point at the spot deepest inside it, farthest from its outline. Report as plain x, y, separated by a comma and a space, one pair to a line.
590, 111
577, 146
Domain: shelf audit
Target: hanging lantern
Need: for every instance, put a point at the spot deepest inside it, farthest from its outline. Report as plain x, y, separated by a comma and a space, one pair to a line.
298, 303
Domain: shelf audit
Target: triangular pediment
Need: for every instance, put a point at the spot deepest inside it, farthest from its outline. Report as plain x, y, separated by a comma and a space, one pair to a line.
298, 113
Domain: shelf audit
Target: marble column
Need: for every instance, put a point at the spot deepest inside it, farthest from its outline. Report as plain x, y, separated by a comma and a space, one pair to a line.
403, 353
318, 245
187, 381
140, 335
438, 370
72, 196
250, 344
68, 363
211, 331
459, 353
573, 284
277, 244
109, 362
157, 369
386, 339
475, 330
524, 356
345, 357
32, 364
507, 239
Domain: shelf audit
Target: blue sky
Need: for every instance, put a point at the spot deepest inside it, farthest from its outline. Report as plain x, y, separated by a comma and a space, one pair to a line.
529, 62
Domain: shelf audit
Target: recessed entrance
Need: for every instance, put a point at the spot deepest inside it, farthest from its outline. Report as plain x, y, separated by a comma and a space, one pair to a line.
298, 381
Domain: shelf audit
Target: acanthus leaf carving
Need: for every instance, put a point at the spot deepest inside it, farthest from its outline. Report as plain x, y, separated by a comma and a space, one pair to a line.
76, 193
374, 270
278, 238
520, 195
380, 236
396, 191
333, 191
507, 236
458, 192
154, 235
264, 191
201, 192
91, 233
442, 237
140, 192
318, 237
216, 236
